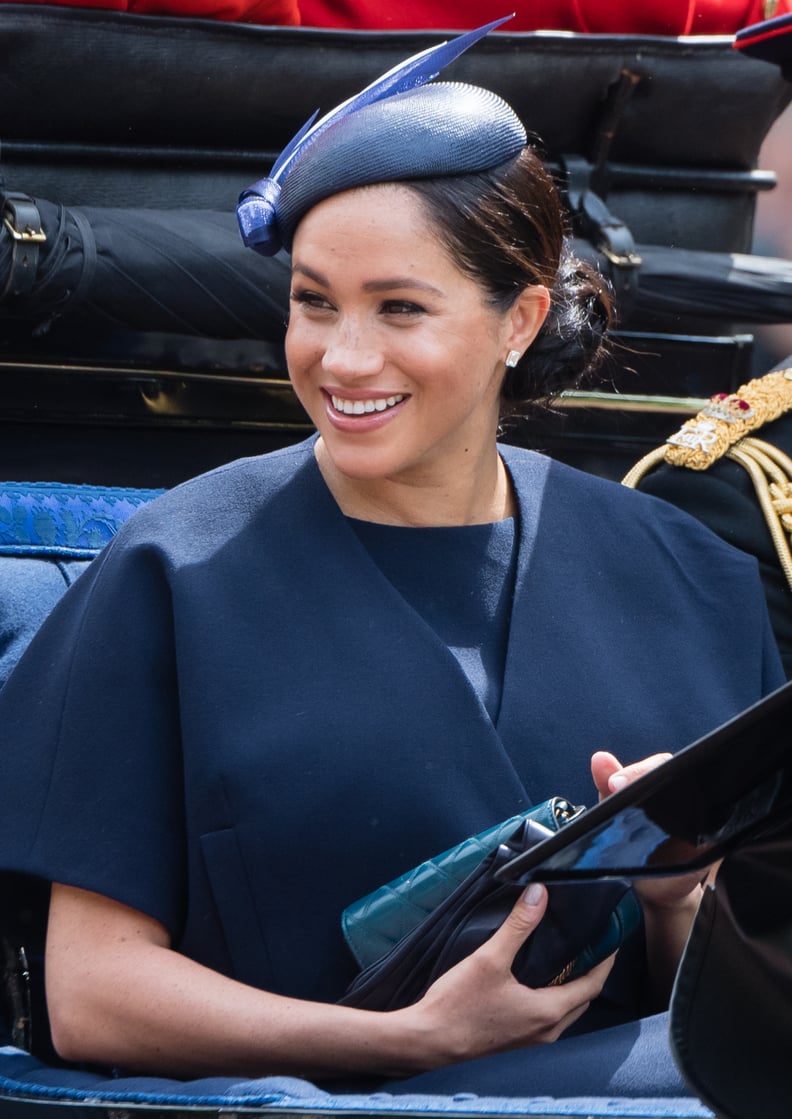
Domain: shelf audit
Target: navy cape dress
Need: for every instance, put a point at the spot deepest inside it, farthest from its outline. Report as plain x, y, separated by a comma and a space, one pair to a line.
234, 723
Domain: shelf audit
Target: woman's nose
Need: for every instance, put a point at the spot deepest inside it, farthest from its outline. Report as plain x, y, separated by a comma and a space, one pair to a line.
351, 352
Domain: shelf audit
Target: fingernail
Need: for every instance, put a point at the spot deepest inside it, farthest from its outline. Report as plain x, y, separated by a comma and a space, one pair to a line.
617, 782
533, 895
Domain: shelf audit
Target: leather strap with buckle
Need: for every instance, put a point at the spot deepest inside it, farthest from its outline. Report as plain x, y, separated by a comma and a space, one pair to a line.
21, 218
607, 233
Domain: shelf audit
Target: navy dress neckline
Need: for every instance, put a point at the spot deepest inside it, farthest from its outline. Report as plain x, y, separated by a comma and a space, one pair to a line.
460, 579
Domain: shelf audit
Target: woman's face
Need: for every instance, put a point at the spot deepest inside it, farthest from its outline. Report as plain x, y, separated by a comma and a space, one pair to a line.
393, 351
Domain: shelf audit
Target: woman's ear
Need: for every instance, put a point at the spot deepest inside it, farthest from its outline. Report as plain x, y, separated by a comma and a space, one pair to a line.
527, 314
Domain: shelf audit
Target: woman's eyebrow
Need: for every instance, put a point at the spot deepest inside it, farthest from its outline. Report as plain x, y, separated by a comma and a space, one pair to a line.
309, 273
394, 283
400, 283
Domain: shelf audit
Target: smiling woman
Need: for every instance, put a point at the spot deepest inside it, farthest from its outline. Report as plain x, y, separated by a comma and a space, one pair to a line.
398, 356
407, 301
286, 681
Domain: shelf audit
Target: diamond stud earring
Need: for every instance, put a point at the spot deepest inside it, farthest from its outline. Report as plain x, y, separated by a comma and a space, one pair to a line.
512, 358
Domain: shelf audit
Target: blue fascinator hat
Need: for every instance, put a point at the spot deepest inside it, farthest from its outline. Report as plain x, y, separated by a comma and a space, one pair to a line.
399, 127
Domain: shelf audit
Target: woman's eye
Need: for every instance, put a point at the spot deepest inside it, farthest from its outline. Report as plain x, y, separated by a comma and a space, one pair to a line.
311, 299
402, 307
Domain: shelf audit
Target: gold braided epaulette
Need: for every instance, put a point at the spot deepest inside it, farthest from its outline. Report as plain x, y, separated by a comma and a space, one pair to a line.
727, 418
723, 429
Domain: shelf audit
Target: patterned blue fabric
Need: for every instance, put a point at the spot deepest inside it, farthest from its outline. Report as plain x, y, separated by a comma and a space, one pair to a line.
69, 521
23, 1077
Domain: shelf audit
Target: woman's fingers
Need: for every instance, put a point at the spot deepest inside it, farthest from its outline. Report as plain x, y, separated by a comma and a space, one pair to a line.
479, 1007
525, 915
610, 775
603, 766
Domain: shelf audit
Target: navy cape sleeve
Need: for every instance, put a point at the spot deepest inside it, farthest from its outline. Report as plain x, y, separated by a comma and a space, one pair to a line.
90, 770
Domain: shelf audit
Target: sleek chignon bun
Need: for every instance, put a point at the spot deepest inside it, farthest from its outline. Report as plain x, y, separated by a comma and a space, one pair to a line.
572, 342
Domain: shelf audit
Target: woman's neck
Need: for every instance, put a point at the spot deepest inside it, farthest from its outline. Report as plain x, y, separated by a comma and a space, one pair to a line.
479, 494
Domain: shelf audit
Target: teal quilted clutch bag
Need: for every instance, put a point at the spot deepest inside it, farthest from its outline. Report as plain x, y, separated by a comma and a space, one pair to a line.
374, 924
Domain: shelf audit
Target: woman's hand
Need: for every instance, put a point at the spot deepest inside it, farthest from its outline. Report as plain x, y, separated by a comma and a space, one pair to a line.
669, 904
478, 1007
610, 776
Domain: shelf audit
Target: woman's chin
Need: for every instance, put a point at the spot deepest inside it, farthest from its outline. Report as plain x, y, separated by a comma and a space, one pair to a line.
361, 466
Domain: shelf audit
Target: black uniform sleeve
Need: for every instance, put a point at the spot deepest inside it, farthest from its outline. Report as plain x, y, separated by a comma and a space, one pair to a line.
723, 498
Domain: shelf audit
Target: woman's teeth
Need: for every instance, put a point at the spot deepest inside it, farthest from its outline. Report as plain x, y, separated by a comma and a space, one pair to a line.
361, 407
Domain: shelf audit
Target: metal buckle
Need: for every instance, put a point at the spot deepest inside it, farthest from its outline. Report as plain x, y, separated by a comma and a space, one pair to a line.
29, 235
628, 259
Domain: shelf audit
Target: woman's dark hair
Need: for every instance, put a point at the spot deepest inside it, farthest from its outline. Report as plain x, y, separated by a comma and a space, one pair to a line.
505, 228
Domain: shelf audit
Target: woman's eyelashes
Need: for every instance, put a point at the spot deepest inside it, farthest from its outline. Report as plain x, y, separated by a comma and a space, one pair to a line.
392, 308
312, 300
402, 307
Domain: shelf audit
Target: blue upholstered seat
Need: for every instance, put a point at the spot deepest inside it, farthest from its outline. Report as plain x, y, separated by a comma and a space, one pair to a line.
23, 1078
49, 532
63, 521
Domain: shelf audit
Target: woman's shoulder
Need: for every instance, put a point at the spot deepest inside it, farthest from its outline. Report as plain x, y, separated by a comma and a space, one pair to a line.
258, 475
603, 510
218, 502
